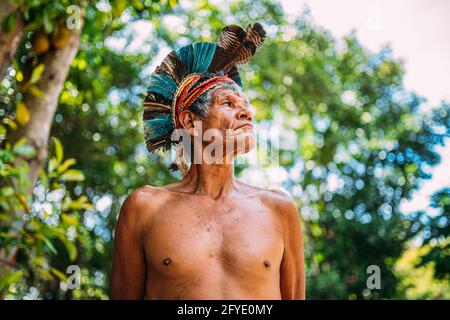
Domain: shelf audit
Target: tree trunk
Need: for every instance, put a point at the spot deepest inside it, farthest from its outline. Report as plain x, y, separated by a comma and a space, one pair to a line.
42, 110
9, 41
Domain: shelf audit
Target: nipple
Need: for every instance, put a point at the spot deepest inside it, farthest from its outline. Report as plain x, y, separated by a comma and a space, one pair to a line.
167, 261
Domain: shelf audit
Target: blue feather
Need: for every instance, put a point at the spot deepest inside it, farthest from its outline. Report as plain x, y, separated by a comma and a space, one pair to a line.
158, 127
162, 84
238, 80
197, 57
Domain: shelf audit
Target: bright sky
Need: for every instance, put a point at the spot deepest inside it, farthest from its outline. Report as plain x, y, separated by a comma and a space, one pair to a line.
418, 32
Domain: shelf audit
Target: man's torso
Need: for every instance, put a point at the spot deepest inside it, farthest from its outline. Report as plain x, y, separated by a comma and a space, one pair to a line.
200, 248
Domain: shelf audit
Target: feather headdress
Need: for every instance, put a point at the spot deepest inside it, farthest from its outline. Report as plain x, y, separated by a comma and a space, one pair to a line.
175, 83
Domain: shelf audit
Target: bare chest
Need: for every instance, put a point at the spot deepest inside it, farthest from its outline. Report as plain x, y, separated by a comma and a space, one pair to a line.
193, 238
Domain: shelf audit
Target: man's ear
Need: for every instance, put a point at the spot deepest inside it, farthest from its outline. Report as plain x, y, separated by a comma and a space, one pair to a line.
187, 120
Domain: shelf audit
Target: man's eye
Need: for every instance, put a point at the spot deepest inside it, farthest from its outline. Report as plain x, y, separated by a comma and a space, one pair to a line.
227, 103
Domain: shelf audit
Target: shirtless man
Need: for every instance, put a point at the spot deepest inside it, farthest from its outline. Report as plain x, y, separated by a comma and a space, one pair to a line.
208, 236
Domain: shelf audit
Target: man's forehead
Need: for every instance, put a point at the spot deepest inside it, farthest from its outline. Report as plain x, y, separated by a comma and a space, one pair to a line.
221, 93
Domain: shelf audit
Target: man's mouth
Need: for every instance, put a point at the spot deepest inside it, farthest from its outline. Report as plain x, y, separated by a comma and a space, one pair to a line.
247, 125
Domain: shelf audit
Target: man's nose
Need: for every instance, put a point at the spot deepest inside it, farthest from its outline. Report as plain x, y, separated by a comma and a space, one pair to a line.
245, 113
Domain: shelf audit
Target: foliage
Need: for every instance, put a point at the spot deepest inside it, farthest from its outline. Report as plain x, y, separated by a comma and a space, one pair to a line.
437, 232
353, 145
43, 235
419, 282
45, 22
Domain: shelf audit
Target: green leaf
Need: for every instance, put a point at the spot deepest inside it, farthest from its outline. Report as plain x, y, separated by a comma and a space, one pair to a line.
15, 276
2, 132
35, 91
26, 13
81, 203
45, 274
47, 23
39, 261
9, 22
71, 249
60, 275
23, 202
172, 3
117, 7
66, 165
43, 177
52, 165
11, 123
20, 142
22, 113
24, 150
7, 235
9, 278
58, 150
37, 73
72, 175
69, 219
47, 242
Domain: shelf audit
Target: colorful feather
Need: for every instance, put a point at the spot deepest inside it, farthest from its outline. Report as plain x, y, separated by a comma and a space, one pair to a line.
236, 46
163, 85
197, 57
173, 67
157, 127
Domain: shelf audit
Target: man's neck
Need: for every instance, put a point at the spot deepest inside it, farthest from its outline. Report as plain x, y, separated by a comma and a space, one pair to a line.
215, 180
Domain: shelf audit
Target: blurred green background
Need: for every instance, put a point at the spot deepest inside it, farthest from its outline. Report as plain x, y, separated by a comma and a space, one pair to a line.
354, 143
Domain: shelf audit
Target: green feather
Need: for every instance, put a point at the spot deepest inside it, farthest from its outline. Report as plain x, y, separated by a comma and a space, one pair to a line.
238, 80
158, 127
197, 57
162, 84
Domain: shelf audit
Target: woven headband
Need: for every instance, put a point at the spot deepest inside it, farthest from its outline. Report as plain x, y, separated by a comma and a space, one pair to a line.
186, 93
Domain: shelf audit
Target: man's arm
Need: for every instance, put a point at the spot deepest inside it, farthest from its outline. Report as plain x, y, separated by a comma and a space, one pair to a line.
292, 271
128, 274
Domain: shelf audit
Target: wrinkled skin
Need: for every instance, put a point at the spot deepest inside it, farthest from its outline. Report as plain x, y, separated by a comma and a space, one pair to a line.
210, 236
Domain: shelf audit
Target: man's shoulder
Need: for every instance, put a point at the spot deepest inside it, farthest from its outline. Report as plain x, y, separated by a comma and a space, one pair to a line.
283, 206
278, 199
143, 201
147, 190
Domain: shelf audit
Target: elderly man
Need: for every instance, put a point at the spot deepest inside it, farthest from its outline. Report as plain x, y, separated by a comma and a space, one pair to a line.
208, 236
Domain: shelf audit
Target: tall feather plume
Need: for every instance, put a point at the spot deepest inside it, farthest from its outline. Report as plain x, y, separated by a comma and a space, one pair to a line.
197, 57
172, 66
236, 46
158, 124
163, 85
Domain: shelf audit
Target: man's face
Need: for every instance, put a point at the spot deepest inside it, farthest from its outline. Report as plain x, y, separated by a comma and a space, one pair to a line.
230, 118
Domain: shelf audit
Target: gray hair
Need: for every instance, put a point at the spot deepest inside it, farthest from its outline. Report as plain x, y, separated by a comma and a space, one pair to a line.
203, 102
